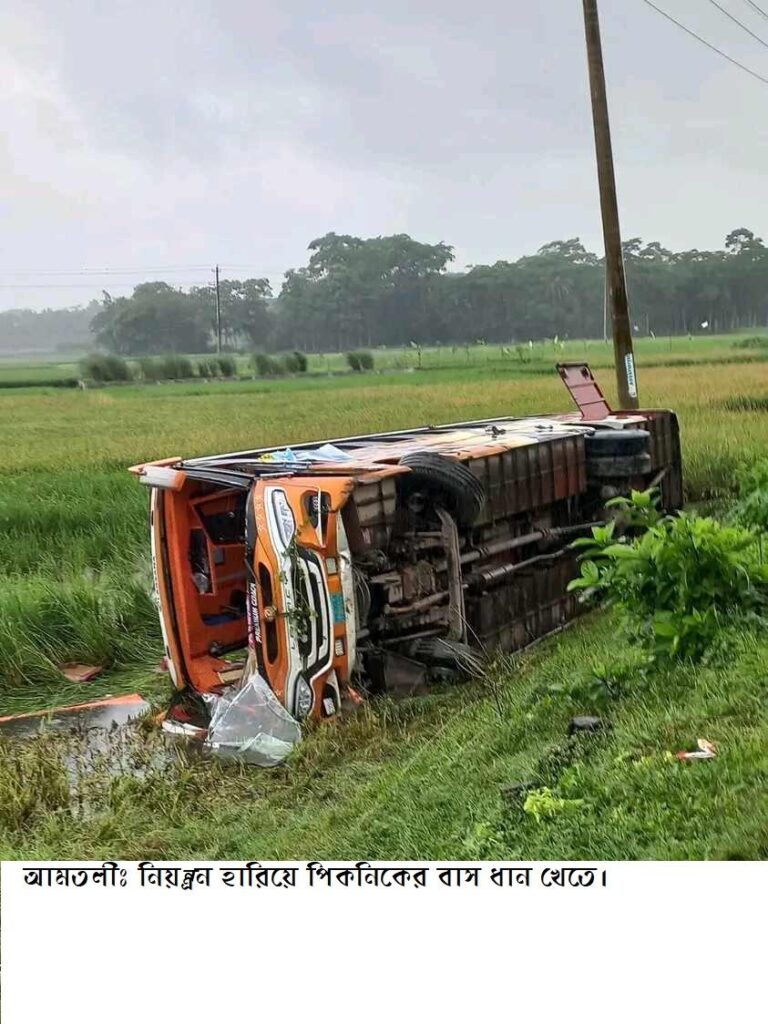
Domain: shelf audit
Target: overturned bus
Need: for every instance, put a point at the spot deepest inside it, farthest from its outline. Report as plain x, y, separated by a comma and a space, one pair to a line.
371, 563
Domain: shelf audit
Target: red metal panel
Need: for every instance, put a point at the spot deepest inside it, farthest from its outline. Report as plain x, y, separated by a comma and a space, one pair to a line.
584, 390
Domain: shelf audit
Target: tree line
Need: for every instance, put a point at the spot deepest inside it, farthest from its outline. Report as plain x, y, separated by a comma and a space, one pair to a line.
359, 293
46, 331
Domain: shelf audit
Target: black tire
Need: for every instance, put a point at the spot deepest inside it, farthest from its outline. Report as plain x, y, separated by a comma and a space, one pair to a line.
441, 653
612, 467
617, 442
450, 484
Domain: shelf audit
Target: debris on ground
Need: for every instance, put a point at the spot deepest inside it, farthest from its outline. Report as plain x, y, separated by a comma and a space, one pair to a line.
248, 723
99, 714
352, 700
176, 728
232, 673
586, 723
705, 752
77, 673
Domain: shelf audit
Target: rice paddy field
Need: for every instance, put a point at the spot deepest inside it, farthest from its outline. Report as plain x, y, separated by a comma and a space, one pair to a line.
536, 358
429, 778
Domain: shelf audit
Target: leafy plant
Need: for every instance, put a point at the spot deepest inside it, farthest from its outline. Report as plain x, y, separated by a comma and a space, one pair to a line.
639, 511
300, 612
679, 583
544, 803
484, 842
751, 510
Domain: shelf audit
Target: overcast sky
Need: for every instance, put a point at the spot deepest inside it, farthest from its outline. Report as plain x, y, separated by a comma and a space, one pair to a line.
138, 135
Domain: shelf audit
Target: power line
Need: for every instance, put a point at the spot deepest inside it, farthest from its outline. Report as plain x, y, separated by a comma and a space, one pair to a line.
119, 271
741, 24
759, 10
94, 286
94, 272
102, 274
100, 285
690, 32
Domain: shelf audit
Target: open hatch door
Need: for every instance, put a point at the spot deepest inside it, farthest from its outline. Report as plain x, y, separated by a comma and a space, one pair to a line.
584, 390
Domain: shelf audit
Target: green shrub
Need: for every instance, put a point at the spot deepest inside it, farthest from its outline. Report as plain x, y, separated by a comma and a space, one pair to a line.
265, 365
227, 365
359, 361
105, 368
173, 367
289, 363
166, 367
163, 368
294, 362
150, 368
679, 583
216, 366
751, 510
207, 368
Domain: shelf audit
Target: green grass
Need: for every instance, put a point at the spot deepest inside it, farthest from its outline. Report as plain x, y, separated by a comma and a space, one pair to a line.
17, 372
435, 777
421, 779
743, 347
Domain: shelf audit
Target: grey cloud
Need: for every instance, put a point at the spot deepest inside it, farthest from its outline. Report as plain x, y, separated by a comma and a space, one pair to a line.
184, 134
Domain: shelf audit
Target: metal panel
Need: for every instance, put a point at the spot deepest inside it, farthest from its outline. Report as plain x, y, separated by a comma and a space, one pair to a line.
531, 477
663, 427
531, 605
584, 390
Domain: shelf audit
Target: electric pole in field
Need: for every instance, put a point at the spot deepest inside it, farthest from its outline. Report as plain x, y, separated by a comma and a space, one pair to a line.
218, 311
614, 259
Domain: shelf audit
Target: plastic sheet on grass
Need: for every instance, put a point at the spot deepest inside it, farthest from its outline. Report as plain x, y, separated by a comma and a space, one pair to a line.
249, 724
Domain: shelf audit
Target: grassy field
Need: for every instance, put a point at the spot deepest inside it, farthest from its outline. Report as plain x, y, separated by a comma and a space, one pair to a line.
536, 359
18, 372
427, 778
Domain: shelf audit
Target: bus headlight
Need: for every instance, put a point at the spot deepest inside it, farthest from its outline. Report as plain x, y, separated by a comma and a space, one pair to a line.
284, 517
305, 697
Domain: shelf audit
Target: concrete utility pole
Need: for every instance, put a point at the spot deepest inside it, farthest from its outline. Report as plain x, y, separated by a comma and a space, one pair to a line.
614, 259
218, 312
